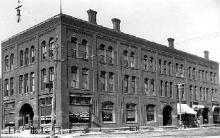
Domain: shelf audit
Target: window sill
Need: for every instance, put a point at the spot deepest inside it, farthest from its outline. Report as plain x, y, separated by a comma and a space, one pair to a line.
109, 122
133, 122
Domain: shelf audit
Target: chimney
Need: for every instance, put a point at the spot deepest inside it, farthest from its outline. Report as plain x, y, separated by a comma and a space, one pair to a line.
92, 16
206, 54
116, 24
171, 42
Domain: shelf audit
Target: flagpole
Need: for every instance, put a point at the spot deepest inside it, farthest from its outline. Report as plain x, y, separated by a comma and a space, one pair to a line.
60, 6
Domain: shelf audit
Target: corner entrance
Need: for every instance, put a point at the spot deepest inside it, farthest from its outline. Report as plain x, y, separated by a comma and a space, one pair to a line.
205, 116
167, 116
26, 115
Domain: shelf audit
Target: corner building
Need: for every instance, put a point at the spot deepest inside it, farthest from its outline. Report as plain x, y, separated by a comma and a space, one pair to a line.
104, 78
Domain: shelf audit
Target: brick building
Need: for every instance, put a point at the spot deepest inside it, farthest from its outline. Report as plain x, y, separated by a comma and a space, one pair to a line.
104, 76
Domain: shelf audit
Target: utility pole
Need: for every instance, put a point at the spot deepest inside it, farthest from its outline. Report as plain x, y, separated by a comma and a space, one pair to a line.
180, 86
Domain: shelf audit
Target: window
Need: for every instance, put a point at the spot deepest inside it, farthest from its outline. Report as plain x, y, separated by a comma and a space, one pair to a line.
78, 100
181, 71
43, 50
150, 112
125, 58
6, 63
195, 94
170, 68
51, 47
152, 64
207, 93
165, 89
74, 77
84, 49
43, 79
26, 83
107, 112
160, 66
12, 61
21, 58
51, 75
32, 54
111, 81
26, 57
130, 112
212, 95
74, 47
161, 88
133, 84
146, 90
194, 74
189, 73
11, 86
145, 62
132, 60
21, 84
165, 67
201, 94
103, 81
85, 78
190, 92
177, 70
32, 82
110, 55
152, 87
126, 77
102, 53
171, 89
6, 87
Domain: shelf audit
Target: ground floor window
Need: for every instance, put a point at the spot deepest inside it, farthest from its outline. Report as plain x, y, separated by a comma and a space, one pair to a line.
150, 112
130, 112
107, 112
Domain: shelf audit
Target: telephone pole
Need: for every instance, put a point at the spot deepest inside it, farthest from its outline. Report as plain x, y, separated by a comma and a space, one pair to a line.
180, 86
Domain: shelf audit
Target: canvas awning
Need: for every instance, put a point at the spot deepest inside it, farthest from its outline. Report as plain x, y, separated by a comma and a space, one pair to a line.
196, 107
215, 106
185, 109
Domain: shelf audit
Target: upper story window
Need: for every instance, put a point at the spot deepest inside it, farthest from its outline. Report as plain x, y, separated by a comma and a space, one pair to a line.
26, 57
84, 49
85, 78
194, 74
111, 82
74, 47
103, 81
152, 64
171, 89
11, 86
12, 58
110, 55
6, 63
152, 87
146, 84
43, 50
189, 73
32, 78
160, 66
51, 47
108, 112
43, 79
133, 84
74, 77
170, 68
51, 75
145, 62
32, 54
165, 67
26, 83
6, 88
102, 53
21, 58
132, 59
21, 84
126, 83
125, 58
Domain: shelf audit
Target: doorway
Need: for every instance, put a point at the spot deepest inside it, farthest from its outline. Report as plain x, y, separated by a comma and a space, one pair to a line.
26, 115
167, 116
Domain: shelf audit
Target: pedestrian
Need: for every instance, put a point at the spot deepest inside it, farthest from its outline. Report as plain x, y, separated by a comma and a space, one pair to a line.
198, 122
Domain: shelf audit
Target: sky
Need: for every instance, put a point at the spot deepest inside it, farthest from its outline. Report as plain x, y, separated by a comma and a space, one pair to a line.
194, 24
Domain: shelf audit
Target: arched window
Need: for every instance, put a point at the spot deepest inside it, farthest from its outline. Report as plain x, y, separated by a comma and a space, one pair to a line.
74, 47
21, 58
43, 50
110, 55
170, 68
131, 114
84, 49
74, 77
145, 63
146, 86
108, 112
125, 58
102, 53
152, 87
150, 112
51, 47
6, 63
12, 57
43, 79
132, 59
160, 66
32, 54
6, 87
32, 78
51, 75
152, 64
26, 57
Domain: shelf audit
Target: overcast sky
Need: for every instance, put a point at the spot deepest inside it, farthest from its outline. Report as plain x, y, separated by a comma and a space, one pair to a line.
194, 24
